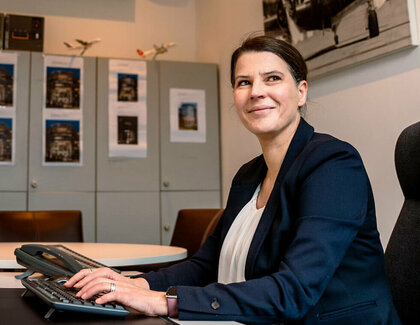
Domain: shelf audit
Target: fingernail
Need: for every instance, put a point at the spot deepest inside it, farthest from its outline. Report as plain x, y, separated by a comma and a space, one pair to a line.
84, 296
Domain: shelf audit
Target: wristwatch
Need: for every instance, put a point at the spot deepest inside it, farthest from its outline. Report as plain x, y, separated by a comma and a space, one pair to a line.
172, 299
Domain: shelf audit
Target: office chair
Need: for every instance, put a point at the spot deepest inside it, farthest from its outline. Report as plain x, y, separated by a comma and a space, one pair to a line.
192, 228
402, 256
41, 226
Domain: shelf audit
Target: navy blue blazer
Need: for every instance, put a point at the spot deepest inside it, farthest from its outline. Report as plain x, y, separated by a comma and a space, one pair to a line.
315, 258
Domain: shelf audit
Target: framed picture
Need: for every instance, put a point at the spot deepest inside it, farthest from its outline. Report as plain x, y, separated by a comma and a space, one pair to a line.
6, 134
63, 88
6, 84
62, 143
334, 34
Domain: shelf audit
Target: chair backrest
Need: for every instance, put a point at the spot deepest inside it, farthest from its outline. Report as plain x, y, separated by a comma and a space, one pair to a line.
402, 256
41, 226
192, 225
210, 227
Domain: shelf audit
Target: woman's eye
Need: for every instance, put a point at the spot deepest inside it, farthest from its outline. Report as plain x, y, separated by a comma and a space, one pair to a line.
243, 83
273, 78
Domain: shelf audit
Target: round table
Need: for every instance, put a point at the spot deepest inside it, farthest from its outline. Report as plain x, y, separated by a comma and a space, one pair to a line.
111, 254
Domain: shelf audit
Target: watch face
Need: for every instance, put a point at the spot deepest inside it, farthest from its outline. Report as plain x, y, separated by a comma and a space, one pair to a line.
171, 293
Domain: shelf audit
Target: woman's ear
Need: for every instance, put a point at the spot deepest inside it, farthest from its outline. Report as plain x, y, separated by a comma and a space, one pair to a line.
302, 92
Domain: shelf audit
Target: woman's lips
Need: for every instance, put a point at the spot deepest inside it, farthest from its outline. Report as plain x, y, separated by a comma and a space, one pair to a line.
260, 109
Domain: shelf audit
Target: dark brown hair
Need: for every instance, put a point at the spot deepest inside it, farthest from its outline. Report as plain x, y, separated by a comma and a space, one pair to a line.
282, 49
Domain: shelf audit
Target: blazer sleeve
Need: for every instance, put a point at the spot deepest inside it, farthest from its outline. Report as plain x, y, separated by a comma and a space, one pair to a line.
331, 198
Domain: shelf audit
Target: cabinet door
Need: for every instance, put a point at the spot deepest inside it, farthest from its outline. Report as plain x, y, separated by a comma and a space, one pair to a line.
14, 178
83, 201
127, 217
128, 174
63, 187
172, 202
190, 166
10, 201
62, 178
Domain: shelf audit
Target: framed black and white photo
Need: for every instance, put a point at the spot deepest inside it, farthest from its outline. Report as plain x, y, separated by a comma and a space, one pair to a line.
334, 34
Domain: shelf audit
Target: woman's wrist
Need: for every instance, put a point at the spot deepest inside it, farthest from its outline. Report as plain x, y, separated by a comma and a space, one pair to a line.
142, 283
161, 305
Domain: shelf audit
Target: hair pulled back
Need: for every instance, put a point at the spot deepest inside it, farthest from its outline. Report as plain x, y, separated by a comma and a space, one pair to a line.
282, 49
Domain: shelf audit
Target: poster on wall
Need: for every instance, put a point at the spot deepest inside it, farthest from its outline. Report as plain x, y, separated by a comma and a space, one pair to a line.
8, 80
187, 115
333, 34
127, 109
62, 141
62, 111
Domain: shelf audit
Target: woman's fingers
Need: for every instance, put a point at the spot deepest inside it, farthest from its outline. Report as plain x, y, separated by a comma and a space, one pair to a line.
95, 287
124, 292
83, 277
77, 277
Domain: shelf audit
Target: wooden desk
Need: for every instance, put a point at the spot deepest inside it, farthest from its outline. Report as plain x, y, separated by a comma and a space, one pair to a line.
115, 255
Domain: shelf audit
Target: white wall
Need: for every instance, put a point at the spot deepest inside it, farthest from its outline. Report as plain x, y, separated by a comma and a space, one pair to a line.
368, 105
225, 25
123, 25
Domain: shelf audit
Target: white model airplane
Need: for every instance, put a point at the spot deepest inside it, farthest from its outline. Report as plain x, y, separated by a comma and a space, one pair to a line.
84, 45
156, 50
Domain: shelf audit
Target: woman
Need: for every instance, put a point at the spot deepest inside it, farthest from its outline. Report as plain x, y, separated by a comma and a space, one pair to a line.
298, 240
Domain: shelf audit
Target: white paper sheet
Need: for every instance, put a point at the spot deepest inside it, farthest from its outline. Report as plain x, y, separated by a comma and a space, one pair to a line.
62, 112
127, 110
187, 115
8, 90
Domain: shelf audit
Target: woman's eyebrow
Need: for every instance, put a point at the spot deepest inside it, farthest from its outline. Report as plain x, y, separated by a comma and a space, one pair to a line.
272, 72
242, 77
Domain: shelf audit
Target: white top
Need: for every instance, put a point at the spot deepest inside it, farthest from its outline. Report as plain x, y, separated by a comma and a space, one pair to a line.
238, 239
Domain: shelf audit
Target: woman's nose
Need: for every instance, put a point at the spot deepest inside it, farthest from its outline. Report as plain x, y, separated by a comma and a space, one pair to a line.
257, 90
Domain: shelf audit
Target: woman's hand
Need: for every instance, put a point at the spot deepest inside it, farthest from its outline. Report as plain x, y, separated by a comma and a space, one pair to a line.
133, 293
80, 279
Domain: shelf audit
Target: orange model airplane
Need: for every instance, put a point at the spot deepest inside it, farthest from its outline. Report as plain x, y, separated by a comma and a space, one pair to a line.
156, 50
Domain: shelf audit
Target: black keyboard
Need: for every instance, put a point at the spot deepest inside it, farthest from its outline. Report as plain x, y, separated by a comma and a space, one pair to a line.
59, 297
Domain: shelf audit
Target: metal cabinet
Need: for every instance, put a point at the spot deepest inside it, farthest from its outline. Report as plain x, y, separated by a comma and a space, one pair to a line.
133, 200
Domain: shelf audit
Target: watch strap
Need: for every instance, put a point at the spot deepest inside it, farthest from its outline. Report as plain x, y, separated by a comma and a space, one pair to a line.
172, 300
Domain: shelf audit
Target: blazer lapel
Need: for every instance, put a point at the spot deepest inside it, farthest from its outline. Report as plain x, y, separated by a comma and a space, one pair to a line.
302, 136
242, 192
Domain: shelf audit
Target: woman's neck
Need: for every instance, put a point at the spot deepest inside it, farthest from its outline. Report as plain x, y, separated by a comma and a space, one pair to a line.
274, 147
274, 151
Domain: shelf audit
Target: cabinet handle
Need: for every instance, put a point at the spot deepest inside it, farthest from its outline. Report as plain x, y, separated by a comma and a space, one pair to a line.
166, 183
34, 183
166, 227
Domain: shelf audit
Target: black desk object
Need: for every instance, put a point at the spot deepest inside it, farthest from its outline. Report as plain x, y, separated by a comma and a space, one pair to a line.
30, 310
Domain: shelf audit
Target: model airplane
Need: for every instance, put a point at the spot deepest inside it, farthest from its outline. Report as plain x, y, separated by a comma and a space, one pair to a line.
156, 50
83, 45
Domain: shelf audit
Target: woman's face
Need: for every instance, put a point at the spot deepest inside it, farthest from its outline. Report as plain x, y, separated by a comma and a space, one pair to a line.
266, 95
